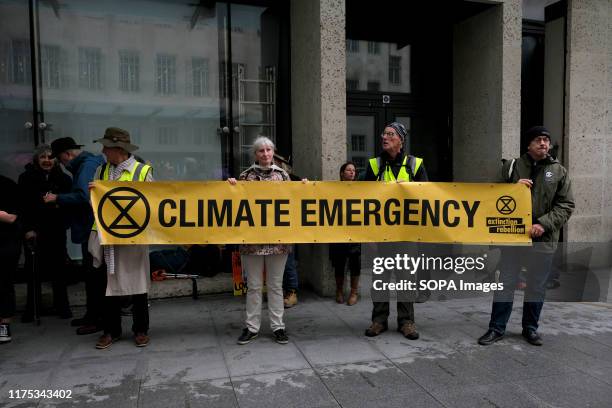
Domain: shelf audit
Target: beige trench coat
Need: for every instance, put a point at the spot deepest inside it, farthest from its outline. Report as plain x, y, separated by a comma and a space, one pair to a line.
132, 272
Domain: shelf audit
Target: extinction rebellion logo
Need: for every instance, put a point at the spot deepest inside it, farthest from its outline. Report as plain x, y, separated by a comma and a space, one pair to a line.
506, 225
124, 212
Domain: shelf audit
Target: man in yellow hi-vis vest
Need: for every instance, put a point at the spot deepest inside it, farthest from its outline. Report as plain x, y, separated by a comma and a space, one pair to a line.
127, 266
394, 165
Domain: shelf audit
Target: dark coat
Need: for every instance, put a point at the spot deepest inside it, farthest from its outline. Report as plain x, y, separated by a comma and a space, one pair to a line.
47, 219
76, 202
9, 202
552, 199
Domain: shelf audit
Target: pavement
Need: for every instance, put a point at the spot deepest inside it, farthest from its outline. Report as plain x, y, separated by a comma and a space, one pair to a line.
193, 359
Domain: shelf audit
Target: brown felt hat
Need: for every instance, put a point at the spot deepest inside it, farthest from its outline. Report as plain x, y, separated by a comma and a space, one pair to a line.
117, 137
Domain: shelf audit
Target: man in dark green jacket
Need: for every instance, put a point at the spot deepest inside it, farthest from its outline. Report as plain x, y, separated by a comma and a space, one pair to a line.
552, 205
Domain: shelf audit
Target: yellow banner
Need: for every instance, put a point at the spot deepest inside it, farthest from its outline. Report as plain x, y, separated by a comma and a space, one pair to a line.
216, 212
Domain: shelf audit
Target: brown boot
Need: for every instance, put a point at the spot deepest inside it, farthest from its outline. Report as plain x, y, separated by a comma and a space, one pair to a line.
354, 291
340, 289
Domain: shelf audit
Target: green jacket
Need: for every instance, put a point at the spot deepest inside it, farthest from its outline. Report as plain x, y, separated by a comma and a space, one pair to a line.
552, 200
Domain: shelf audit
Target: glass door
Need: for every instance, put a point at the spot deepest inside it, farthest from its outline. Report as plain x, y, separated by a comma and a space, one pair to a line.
254, 44
17, 124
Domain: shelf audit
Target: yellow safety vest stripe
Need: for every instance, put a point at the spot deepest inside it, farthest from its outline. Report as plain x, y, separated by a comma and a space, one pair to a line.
388, 172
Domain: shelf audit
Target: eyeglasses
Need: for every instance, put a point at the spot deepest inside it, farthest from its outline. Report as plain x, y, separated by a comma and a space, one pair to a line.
388, 134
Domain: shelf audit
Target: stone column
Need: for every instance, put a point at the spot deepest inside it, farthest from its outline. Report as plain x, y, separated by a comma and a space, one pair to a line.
589, 118
486, 91
588, 130
318, 111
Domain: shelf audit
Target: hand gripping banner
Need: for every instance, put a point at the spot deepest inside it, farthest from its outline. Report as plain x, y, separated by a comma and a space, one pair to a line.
215, 212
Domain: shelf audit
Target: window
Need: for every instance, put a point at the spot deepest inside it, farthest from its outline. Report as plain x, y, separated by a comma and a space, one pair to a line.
395, 68
20, 71
358, 143
90, 68
373, 47
50, 66
167, 136
165, 74
352, 45
373, 86
352, 84
199, 76
129, 71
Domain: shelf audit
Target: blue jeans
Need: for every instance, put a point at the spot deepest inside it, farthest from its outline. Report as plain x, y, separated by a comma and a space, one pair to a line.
290, 276
538, 266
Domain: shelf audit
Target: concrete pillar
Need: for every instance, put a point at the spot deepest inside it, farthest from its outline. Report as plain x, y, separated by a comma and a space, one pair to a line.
486, 91
318, 110
588, 129
588, 137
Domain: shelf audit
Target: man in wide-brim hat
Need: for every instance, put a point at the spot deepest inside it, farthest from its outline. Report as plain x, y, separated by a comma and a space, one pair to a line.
127, 266
117, 137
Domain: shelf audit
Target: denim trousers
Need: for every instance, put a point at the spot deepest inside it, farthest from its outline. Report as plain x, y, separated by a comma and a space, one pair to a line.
290, 275
538, 266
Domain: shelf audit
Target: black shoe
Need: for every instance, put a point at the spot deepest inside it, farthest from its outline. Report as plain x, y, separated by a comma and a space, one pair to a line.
280, 336
247, 336
532, 337
553, 284
490, 337
5, 333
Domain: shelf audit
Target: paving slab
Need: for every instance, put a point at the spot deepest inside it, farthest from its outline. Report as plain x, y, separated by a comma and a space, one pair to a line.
217, 393
457, 369
379, 383
487, 396
300, 388
570, 390
185, 366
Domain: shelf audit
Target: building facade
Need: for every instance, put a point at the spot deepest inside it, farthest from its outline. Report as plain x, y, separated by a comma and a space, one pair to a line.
195, 82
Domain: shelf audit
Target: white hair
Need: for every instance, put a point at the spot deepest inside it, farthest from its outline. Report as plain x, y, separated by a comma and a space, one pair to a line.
260, 142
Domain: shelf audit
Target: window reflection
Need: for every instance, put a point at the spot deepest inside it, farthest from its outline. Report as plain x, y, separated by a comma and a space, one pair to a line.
90, 68
377, 67
129, 71
360, 143
149, 67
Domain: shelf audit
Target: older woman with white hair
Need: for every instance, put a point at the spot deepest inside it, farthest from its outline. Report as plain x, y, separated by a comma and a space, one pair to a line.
271, 257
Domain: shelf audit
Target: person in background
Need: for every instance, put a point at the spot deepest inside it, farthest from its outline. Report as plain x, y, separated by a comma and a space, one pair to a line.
290, 275
340, 253
10, 248
44, 232
272, 257
82, 165
127, 267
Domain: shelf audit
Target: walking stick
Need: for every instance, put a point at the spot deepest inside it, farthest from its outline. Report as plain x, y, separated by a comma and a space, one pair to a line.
31, 245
